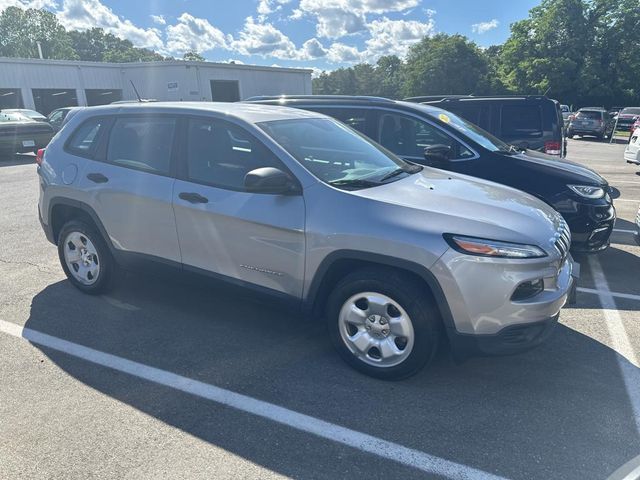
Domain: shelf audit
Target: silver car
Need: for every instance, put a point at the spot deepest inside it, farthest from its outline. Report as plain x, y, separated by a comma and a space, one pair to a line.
296, 205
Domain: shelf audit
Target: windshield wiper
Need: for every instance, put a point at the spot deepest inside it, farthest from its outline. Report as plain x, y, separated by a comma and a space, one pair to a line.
394, 173
354, 182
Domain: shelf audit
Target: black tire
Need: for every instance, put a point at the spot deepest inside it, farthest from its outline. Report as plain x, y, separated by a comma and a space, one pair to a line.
569, 135
108, 267
414, 299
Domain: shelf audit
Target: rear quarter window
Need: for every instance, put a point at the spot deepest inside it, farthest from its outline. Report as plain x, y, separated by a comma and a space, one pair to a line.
84, 139
524, 121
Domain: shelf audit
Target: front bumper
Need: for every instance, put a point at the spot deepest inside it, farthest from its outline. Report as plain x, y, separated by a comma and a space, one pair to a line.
480, 294
632, 157
591, 224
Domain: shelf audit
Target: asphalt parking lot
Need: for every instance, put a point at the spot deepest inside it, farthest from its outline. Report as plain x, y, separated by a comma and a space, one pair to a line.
162, 379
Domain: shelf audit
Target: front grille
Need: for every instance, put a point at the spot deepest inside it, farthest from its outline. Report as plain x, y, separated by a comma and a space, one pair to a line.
563, 240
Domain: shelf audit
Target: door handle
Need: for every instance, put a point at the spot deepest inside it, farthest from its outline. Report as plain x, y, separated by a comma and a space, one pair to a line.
97, 178
192, 197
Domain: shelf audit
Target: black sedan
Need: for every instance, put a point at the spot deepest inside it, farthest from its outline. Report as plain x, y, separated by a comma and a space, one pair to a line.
20, 134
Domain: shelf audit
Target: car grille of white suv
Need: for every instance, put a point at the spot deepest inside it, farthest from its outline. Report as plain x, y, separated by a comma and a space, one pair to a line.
563, 240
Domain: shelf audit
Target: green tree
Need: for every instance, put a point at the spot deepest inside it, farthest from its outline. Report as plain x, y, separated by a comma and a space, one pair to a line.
547, 51
193, 56
389, 76
445, 64
22, 30
99, 46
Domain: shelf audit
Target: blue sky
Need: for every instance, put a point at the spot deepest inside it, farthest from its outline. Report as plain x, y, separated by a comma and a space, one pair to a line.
320, 34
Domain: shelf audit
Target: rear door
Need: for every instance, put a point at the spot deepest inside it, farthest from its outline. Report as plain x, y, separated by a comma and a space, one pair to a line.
129, 183
225, 230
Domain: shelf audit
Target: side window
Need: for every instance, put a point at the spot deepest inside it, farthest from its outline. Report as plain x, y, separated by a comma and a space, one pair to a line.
521, 121
221, 154
356, 119
84, 140
408, 137
142, 143
56, 119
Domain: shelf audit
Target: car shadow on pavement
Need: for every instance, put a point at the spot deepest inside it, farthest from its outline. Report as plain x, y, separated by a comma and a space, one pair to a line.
12, 161
560, 411
625, 224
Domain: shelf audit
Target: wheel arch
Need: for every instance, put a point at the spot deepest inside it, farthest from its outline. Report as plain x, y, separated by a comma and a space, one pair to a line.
339, 263
62, 210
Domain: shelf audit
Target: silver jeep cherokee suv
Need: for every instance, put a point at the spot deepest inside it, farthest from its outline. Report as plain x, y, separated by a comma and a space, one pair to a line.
295, 204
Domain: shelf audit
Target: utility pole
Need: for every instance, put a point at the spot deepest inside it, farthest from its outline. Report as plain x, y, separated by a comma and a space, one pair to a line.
40, 50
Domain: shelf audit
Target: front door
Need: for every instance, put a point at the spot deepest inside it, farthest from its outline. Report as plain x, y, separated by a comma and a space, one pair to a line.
227, 231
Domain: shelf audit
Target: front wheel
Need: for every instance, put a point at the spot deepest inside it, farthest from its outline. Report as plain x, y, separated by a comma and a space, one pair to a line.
382, 324
85, 258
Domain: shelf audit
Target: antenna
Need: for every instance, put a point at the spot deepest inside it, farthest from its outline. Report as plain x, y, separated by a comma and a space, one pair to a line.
136, 91
546, 91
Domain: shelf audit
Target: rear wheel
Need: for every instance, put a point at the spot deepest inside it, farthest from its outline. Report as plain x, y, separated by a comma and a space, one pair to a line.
85, 258
382, 324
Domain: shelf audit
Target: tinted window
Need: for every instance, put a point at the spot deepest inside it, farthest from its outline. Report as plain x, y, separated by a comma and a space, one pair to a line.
589, 115
142, 143
521, 121
356, 119
56, 118
84, 140
477, 114
408, 136
221, 154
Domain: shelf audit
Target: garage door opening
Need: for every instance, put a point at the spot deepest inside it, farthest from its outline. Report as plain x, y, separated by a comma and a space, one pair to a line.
48, 99
225, 90
97, 96
10, 98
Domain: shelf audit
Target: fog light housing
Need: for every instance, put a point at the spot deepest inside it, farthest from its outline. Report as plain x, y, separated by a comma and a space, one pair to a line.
528, 289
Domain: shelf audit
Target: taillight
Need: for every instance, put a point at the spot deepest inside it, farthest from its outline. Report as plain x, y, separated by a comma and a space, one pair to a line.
40, 156
552, 148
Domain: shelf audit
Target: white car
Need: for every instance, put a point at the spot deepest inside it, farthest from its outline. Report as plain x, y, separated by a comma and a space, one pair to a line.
632, 152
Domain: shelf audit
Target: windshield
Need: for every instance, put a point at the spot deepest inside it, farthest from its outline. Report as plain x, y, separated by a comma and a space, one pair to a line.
631, 111
470, 130
335, 153
13, 117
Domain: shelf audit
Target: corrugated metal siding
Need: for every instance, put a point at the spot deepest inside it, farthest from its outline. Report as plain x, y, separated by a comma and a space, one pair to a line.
151, 79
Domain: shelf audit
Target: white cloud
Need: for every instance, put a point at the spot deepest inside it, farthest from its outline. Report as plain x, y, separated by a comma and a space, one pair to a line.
312, 49
317, 72
484, 27
194, 34
28, 4
341, 53
265, 7
394, 37
85, 14
263, 39
337, 18
159, 19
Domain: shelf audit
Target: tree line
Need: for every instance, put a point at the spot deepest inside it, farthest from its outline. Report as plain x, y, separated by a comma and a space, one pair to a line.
22, 30
578, 51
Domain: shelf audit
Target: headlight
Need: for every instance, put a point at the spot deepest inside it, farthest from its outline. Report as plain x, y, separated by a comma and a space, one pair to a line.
492, 248
587, 191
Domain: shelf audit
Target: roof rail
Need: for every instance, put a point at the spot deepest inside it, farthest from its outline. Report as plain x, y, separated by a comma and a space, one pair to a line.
438, 98
317, 97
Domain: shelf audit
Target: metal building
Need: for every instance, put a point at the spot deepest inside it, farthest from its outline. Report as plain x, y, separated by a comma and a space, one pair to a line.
45, 85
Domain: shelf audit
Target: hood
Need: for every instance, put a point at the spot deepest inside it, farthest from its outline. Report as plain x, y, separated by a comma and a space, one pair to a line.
453, 203
573, 172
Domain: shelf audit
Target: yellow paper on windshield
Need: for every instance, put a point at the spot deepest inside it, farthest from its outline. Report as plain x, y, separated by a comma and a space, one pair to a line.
444, 118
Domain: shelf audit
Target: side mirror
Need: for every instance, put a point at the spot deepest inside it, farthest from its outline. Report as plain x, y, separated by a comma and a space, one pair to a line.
270, 180
437, 152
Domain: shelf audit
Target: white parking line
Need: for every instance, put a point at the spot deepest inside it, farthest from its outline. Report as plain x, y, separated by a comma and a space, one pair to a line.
627, 296
625, 200
620, 230
619, 338
361, 441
